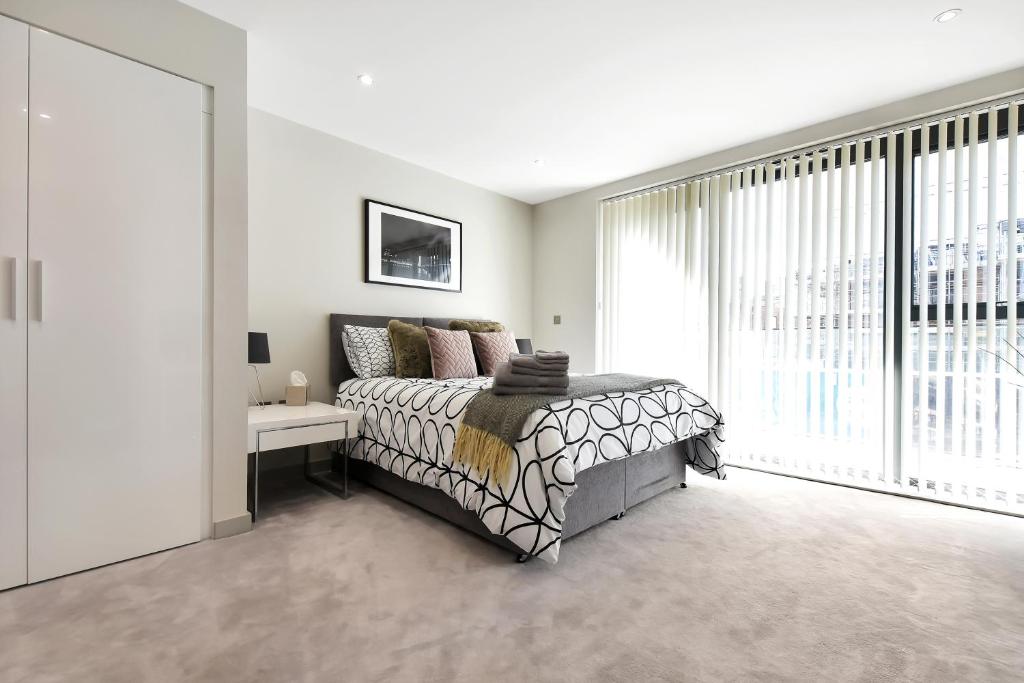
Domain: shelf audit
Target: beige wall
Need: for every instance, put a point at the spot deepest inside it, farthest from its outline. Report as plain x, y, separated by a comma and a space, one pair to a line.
306, 191
184, 41
565, 229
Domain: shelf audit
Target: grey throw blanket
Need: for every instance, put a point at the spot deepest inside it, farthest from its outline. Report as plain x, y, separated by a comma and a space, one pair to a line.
492, 424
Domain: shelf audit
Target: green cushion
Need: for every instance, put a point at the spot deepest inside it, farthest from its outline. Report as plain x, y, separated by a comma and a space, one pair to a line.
476, 326
412, 352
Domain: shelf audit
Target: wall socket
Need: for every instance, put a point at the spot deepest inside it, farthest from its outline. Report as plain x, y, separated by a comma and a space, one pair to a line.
558, 320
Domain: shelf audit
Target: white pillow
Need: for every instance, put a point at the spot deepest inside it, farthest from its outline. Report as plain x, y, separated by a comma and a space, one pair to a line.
368, 350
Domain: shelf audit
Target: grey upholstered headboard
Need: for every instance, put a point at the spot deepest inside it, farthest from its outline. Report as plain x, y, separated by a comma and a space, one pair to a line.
340, 369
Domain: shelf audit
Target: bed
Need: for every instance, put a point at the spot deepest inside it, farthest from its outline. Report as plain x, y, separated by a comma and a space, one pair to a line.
579, 462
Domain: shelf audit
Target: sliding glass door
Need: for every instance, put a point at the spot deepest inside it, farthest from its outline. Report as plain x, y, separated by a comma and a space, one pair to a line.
966, 416
790, 291
805, 366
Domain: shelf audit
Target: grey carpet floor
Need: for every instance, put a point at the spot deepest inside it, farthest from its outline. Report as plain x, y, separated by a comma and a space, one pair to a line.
755, 578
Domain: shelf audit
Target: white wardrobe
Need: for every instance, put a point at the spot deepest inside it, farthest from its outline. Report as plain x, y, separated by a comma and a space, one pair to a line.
101, 173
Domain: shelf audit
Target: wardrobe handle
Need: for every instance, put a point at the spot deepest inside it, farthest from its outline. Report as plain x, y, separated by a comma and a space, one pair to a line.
14, 288
39, 288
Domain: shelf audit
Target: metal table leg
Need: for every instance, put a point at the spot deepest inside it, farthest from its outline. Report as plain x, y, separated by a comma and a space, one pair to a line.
256, 482
329, 480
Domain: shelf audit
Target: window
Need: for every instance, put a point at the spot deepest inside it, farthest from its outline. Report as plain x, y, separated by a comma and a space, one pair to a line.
852, 309
966, 426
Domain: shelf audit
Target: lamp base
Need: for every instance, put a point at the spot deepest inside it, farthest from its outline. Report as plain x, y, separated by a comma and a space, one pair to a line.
258, 401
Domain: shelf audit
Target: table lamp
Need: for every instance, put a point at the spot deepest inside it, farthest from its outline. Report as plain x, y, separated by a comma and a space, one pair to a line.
259, 352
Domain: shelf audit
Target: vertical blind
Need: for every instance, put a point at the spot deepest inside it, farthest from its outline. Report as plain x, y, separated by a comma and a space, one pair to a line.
851, 309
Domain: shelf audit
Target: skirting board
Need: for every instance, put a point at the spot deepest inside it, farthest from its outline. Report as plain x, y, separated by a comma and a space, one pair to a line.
232, 526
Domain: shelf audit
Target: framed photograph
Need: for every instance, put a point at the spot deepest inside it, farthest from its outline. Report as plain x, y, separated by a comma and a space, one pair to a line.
412, 249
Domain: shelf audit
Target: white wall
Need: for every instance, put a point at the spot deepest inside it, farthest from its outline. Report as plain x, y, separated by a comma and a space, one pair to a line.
306, 191
565, 229
171, 36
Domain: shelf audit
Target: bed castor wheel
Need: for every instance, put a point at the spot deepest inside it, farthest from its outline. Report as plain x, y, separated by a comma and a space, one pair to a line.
683, 485
620, 515
523, 558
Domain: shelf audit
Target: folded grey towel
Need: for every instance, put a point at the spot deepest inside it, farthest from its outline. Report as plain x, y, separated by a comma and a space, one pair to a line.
532, 372
552, 356
532, 362
504, 377
500, 390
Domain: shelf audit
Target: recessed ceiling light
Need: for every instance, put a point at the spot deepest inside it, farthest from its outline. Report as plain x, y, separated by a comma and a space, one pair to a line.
538, 162
948, 15
45, 116
365, 79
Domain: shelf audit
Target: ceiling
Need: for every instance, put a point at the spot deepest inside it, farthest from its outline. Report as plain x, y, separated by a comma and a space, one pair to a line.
598, 89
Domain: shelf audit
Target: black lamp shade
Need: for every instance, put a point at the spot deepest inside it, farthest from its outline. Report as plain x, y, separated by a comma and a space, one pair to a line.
259, 348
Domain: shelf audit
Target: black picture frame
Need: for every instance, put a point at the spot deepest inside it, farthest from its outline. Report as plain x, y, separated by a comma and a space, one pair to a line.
426, 236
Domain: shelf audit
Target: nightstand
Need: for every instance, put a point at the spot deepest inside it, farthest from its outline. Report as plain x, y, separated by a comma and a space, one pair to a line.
277, 426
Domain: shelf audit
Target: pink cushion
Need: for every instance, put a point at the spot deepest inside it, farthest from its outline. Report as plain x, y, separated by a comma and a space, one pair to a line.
451, 353
493, 349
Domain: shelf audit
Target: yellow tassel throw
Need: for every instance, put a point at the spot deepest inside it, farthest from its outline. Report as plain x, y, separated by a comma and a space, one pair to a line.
484, 452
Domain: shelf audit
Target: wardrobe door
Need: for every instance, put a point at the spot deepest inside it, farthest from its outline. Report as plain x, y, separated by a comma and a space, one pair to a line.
114, 328
13, 251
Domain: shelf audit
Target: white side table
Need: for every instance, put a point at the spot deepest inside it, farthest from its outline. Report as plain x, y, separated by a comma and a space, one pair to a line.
281, 426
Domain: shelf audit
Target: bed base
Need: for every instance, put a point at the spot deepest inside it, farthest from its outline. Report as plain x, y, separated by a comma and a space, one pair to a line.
603, 492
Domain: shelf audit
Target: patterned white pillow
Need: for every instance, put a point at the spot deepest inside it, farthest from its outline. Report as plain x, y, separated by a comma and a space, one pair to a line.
368, 350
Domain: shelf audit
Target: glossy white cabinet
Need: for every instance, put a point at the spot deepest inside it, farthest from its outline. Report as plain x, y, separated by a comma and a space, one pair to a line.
115, 293
13, 252
102, 423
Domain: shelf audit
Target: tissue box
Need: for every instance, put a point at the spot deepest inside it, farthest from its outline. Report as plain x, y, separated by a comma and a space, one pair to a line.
296, 395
